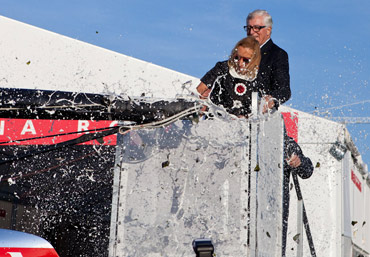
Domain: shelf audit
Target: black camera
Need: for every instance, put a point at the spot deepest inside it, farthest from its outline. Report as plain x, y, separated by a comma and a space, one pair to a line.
203, 247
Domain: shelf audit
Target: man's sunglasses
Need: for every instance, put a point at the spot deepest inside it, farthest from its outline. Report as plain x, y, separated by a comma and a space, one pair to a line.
256, 28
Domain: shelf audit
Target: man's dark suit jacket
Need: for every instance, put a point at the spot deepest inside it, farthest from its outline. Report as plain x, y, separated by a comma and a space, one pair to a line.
273, 76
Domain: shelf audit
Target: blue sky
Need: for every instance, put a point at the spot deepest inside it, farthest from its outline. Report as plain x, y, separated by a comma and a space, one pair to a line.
327, 41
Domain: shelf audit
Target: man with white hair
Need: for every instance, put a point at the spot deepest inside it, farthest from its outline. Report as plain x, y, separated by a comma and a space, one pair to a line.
273, 76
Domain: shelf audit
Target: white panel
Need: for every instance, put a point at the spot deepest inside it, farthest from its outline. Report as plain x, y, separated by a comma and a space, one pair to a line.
322, 202
366, 227
181, 183
346, 207
270, 187
322, 192
358, 209
346, 196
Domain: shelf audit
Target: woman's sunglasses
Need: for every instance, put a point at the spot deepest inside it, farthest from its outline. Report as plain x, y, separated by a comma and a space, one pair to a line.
244, 60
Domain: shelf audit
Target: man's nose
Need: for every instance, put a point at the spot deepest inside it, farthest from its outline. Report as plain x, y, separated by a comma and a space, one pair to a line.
251, 32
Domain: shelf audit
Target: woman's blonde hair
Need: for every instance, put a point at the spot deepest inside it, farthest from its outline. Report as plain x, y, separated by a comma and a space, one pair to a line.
252, 67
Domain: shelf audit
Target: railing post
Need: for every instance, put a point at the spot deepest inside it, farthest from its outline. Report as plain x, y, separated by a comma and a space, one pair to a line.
253, 177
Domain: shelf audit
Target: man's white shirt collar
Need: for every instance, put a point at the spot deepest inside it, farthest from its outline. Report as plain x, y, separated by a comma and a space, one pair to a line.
265, 42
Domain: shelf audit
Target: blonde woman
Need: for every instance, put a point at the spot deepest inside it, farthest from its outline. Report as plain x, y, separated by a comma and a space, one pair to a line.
230, 83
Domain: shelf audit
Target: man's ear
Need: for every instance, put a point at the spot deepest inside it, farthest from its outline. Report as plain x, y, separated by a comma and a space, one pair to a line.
269, 29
